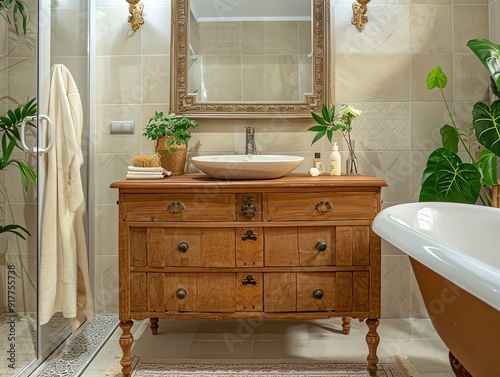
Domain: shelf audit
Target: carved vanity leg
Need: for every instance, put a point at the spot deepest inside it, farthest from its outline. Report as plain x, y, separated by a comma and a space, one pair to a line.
153, 325
372, 339
457, 367
346, 325
126, 340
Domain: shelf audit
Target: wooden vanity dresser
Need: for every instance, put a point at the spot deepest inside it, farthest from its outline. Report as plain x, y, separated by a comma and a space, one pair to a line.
192, 247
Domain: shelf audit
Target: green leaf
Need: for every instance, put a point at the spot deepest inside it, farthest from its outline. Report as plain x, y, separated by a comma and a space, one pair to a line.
447, 179
487, 164
436, 79
457, 181
319, 119
317, 128
489, 54
318, 136
450, 137
428, 190
326, 114
487, 125
13, 228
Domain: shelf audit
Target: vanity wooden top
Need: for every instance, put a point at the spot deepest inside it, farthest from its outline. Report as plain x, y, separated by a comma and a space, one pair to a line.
195, 181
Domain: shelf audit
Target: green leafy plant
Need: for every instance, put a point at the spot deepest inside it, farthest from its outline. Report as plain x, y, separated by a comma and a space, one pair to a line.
15, 12
9, 124
446, 177
169, 125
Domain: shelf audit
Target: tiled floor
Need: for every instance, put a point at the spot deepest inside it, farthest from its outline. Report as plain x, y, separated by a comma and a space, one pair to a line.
258, 339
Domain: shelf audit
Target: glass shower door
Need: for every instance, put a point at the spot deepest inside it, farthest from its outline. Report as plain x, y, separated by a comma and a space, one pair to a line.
56, 34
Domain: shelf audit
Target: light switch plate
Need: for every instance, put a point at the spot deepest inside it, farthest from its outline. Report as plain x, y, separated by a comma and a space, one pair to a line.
121, 127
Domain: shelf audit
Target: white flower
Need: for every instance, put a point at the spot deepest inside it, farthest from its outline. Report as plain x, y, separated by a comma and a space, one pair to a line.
346, 110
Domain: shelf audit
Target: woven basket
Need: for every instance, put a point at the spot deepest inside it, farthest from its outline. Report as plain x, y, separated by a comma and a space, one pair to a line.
175, 161
495, 195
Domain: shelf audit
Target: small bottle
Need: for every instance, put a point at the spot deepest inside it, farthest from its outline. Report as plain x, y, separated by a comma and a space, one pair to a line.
317, 163
335, 160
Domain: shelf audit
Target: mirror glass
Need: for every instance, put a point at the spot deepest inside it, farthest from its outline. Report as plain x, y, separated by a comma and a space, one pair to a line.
249, 58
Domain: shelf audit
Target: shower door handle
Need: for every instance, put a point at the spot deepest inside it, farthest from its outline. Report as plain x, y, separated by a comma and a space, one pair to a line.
42, 119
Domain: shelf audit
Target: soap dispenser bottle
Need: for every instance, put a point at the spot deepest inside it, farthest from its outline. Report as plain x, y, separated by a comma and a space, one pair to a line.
335, 160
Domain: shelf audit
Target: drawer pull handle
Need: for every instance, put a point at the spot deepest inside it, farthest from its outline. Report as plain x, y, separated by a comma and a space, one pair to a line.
176, 207
321, 246
249, 236
248, 209
324, 207
249, 280
181, 293
183, 247
318, 294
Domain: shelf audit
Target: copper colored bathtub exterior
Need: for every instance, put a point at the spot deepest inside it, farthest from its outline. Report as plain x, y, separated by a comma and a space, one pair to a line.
469, 327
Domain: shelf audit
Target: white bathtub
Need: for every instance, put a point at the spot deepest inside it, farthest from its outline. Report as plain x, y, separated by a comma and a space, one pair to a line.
454, 250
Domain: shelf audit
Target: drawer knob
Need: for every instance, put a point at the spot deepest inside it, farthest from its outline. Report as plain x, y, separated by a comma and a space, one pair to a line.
248, 209
176, 207
249, 280
321, 246
318, 294
181, 293
324, 207
183, 247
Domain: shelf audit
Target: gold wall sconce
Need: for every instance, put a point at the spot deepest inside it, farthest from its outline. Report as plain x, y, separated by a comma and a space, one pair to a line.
135, 7
359, 9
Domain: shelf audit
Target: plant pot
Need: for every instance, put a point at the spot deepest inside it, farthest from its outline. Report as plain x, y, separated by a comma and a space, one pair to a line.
174, 162
495, 195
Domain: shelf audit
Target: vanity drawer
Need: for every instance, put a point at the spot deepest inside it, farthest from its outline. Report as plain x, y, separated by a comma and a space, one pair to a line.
308, 291
178, 207
321, 206
317, 246
203, 292
190, 247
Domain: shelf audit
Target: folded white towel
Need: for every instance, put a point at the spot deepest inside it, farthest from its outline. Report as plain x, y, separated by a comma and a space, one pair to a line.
140, 168
145, 176
148, 170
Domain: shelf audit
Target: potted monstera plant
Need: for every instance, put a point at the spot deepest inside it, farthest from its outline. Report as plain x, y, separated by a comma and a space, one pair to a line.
9, 124
170, 134
446, 177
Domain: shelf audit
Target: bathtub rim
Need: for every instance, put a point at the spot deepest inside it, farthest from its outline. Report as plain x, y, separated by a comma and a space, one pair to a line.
481, 280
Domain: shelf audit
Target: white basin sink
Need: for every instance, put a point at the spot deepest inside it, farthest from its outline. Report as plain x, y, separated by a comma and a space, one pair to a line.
246, 167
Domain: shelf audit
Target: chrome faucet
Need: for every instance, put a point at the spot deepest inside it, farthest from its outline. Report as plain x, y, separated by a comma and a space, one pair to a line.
250, 140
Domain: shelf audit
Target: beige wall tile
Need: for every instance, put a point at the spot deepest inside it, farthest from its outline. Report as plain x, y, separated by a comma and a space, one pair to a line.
431, 1
69, 32
156, 79
431, 28
417, 302
421, 65
26, 272
427, 118
220, 38
382, 126
467, 86
469, 21
111, 167
107, 239
252, 38
305, 37
118, 80
20, 79
385, 78
156, 34
106, 284
393, 167
114, 35
387, 30
118, 143
396, 296
281, 37
494, 20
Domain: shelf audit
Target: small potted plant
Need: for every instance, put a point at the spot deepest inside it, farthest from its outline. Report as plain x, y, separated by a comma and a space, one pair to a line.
170, 134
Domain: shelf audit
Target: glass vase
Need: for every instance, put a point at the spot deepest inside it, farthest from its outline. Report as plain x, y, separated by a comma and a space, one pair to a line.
352, 161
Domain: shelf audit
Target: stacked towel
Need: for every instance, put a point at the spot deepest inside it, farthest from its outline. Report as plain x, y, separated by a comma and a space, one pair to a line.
135, 172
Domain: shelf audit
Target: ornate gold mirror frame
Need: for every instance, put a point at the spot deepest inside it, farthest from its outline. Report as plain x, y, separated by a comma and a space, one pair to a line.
182, 102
